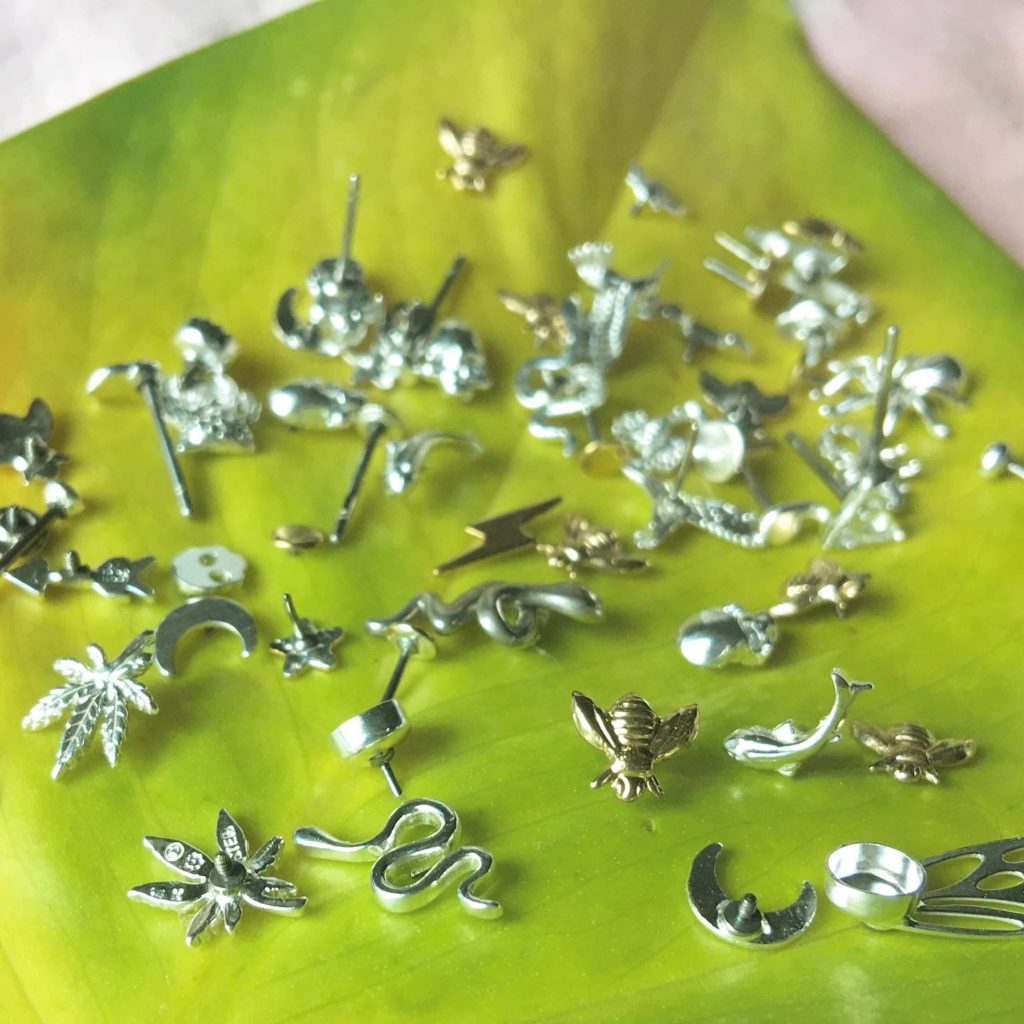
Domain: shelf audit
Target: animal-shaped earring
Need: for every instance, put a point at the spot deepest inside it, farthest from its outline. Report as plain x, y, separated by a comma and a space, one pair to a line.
731, 635
633, 738
909, 752
115, 577
652, 195
342, 309
698, 337
476, 154
785, 747
23, 443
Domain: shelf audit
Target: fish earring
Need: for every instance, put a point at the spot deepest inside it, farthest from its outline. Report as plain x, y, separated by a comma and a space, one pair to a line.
784, 748
633, 738
732, 635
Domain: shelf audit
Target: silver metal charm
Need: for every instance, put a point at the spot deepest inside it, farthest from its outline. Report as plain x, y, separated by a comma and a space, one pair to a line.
511, 613
409, 875
23, 443
16, 522
62, 501
116, 577
453, 359
651, 195
309, 646
218, 887
918, 384
403, 460
785, 747
731, 635
698, 337
98, 696
633, 738
341, 307
741, 921
743, 403
206, 612
371, 736
997, 460
208, 569
499, 534
476, 154
886, 889
312, 404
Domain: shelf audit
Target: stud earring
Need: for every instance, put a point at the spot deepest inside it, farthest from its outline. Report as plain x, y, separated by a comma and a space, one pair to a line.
62, 501
909, 752
342, 308
997, 460
651, 195
542, 316
115, 577
633, 738
309, 646
218, 887
371, 736
408, 875
511, 613
477, 155
698, 337
405, 459
784, 748
312, 404
202, 612
23, 443
732, 635
741, 921
208, 569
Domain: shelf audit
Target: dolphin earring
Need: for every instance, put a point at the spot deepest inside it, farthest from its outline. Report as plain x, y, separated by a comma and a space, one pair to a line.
732, 635
784, 748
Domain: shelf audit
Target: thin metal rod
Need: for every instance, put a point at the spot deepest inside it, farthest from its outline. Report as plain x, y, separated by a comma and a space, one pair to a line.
396, 675
293, 615
816, 463
348, 505
687, 459
590, 425
389, 778
740, 280
29, 538
349, 230
750, 478
446, 286
149, 395
892, 337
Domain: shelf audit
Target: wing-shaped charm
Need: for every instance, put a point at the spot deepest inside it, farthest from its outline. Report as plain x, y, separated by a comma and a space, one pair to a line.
675, 732
450, 138
878, 740
948, 752
594, 724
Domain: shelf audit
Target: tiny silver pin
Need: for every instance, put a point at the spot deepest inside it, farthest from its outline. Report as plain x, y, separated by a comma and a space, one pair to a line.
997, 460
62, 501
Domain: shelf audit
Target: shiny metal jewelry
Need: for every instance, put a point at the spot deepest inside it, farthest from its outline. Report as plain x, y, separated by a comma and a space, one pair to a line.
743, 403
585, 546
342, 308
145, 377
919, 384
698, 337
15, 522
886, 889
741, 921
312, 404
23, 443
116, 577
296, 538
997, 460
208, 569
784, 748
542, 316
404, 459
218, 887
634, 739
511, 613
98, 696
731, 635
477, 155
649, 194
409, 875
499, 534
204, 612
62, 501
371, 736
374, 420
309, 646
909, 752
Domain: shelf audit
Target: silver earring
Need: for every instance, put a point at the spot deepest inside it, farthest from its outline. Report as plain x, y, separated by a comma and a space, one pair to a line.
785, 747
309, 646
208, 569
372, 736
732, 635
405, 459
312, 404
741, 921
477, 155
23, 443
698, 337
342, 308
62, 501
408, 875
115, 577
651, 195
202, 612
997, 460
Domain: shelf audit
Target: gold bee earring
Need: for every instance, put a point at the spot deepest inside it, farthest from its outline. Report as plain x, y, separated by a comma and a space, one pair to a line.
909, 752
633, 738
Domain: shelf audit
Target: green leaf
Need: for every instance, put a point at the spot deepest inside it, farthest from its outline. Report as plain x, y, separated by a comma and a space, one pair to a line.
209, 187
